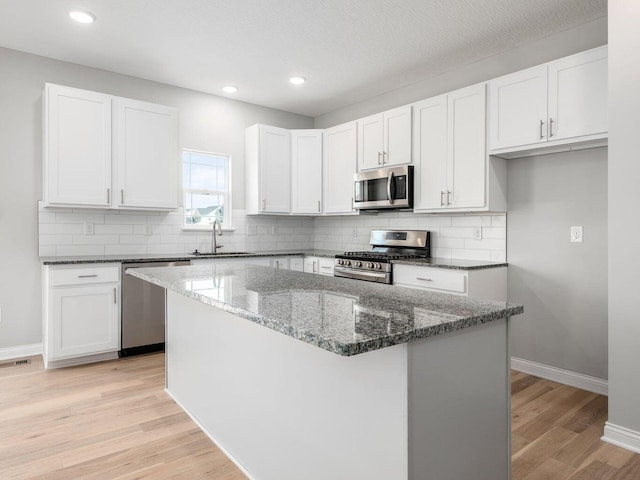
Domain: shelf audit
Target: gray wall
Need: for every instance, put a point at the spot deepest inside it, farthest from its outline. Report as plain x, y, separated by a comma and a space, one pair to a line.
583, 37
207, 122
562, 285
624, 229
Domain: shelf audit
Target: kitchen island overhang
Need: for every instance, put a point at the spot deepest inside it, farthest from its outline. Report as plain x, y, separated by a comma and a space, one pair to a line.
433, 404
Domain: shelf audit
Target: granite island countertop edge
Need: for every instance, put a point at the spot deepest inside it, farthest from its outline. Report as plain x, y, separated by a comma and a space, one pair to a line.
334, 346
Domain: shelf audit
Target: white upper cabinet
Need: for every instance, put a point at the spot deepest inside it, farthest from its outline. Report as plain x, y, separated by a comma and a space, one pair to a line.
518, 109
384, 139
554, 106
268, 169
306, 172
77, 147
430, 153
111, 152
578, 95
453, 171
340, 156
146, 152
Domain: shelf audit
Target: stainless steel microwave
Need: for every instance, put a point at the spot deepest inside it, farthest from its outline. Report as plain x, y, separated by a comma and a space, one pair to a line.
384, 188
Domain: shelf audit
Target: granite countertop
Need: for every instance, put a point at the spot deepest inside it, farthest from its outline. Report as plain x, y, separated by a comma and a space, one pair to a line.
452, 263
424, 262
343, 316
134, 258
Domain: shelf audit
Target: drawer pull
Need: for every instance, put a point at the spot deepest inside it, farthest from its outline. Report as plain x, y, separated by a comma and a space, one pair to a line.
424, 279
323, 266
88, 276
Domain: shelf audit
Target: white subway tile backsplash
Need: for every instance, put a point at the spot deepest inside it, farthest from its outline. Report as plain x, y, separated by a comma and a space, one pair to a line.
72, 250
125, 249
61, 228
113, 229
123, 232
95, 239
55, 240
498, 256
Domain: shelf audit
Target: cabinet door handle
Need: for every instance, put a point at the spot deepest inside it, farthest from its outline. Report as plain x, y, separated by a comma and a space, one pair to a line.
318, 206
550, 127
115, 299
424, 279
442, 198
541, 124
384, 157
122, 196
448, 194
352, 207
379, 154
88, 276
108, 195
264, 203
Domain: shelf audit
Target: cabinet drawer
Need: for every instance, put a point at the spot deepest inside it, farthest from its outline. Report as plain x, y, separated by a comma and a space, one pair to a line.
430, 278
84, 275
326, 266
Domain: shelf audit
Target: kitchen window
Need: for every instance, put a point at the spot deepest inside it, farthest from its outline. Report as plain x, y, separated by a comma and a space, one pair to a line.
206, 183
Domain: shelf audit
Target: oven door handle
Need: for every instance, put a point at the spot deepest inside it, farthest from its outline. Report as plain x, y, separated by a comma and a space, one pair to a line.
348, 273
390, 194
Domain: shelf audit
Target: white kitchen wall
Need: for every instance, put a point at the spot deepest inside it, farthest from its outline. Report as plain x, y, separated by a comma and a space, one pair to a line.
61, 233
451, 236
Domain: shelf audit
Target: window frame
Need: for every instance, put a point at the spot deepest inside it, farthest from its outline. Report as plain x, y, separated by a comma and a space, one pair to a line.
227, 224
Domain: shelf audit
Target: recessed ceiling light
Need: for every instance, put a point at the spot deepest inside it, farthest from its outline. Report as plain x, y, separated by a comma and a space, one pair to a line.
230, 89
82, 17
297, 80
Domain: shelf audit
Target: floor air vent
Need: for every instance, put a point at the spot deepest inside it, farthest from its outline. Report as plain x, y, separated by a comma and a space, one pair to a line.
15, 363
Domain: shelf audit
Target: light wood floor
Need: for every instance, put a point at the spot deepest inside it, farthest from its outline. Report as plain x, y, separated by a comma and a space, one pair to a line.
113, 421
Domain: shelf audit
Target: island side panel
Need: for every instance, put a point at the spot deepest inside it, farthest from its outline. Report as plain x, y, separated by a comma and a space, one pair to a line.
459, 405
284, 409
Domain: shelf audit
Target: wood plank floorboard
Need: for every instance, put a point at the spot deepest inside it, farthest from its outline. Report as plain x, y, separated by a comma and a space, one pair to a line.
113, 421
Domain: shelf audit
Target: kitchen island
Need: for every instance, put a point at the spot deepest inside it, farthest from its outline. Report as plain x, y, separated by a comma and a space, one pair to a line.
302, 376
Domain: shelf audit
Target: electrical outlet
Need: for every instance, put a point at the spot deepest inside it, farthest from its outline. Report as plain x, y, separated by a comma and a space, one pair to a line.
147, 229
477, 233
252, 230
355, 232
576, 234
274, 230
88, 228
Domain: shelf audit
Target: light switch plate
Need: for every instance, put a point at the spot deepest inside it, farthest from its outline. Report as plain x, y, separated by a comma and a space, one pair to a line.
147, 229
88, 228
477, 233
576, 234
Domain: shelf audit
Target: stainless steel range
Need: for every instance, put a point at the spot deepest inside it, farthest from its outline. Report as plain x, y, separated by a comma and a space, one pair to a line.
388, 245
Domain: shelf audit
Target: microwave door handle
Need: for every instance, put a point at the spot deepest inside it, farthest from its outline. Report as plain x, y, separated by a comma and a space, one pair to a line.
389, 185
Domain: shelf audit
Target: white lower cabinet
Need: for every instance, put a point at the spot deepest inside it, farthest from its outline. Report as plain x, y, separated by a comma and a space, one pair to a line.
81, 313
319, 265
486, 283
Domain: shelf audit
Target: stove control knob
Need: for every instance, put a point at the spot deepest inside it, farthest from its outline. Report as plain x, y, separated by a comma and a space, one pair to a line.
340, 262
378, 266
346, 263
369, 265
357, 263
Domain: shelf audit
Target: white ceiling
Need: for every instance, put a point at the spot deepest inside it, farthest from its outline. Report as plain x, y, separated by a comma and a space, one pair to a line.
349, 50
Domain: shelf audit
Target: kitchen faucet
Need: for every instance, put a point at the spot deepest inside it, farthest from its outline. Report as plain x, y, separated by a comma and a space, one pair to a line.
214, 243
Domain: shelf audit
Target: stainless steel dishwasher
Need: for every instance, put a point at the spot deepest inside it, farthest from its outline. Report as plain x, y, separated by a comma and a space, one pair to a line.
143, 312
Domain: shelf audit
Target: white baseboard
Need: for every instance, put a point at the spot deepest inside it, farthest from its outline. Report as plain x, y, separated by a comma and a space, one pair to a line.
10, 353
217, 444
621, 437
566, 377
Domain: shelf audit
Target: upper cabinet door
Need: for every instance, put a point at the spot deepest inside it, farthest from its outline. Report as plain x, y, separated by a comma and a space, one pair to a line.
306, 171
467, 147
397, 136
340, 156
518, 108
146, 155
77, 147
370, 142
275, 169
578, 95
430, 153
